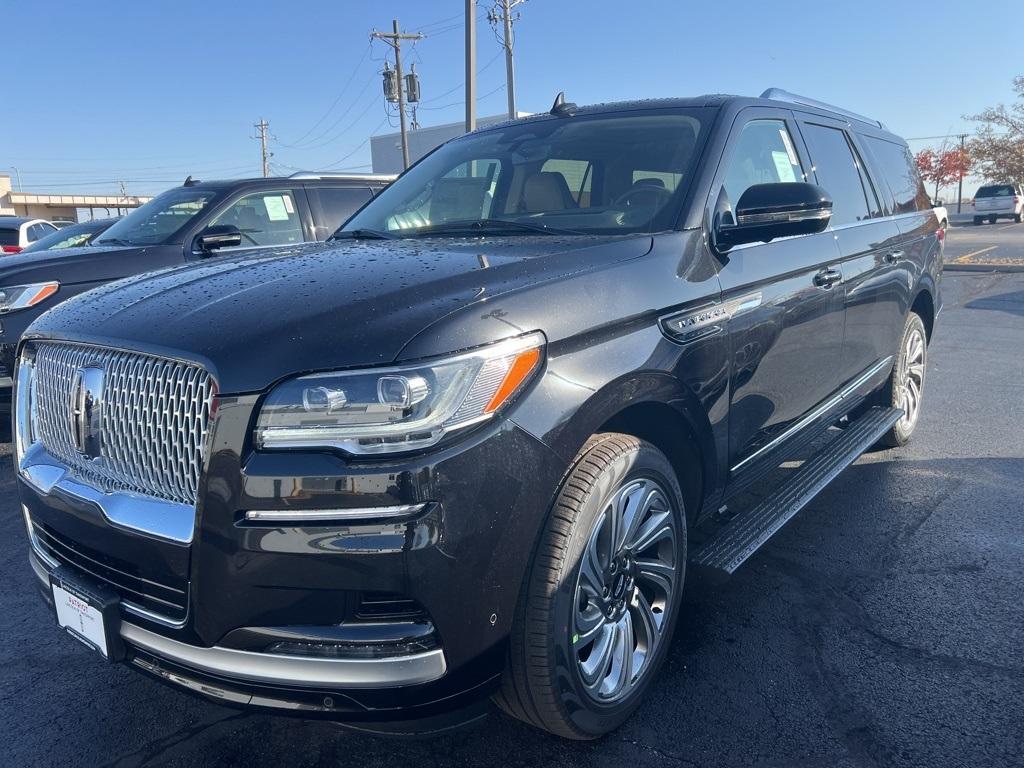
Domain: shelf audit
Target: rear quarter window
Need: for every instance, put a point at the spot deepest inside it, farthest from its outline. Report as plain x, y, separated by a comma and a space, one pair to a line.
899, 171
996, 190
8, 237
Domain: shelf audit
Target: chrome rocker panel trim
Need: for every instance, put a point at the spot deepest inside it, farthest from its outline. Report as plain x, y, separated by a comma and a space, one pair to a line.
156, 517
847, 391
278, 669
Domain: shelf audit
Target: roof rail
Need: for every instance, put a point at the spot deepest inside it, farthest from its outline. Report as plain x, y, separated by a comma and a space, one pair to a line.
778, 94
307, 175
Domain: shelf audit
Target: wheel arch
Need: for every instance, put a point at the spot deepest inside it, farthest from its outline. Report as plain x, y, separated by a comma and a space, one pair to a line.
924, 306
660, 409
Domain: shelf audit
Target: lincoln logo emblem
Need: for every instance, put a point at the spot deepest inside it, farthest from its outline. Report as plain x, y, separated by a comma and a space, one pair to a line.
87, 411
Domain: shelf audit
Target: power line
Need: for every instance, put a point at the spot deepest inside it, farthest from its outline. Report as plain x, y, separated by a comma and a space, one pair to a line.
344, 88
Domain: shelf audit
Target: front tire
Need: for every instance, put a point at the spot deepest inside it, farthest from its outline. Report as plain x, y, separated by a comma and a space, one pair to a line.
905, 387
977, 221
602, 596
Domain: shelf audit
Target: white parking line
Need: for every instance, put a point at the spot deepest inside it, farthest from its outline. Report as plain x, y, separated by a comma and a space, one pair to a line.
1007, 226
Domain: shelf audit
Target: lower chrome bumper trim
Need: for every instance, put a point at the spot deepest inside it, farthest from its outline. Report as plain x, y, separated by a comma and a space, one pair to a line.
278, 669
275, 669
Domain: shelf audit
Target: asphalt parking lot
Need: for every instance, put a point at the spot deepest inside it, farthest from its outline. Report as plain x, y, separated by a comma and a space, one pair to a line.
984, 246
882, 627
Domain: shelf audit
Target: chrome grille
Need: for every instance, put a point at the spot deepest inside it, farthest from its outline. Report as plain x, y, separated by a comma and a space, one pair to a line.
154, 422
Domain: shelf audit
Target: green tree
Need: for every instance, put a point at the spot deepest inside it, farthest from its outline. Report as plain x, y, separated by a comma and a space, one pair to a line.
998, 148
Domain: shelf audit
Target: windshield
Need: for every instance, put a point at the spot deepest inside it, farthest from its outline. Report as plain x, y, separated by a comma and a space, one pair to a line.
617, 173
160, 219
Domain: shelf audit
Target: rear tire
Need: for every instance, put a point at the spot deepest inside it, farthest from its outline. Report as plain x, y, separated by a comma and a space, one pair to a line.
1017, 217
600, 602
992, 219
905, 387
977, 221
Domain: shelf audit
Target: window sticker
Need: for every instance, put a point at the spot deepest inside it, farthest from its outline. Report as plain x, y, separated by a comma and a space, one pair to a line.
288, 203
276, 208
783, 167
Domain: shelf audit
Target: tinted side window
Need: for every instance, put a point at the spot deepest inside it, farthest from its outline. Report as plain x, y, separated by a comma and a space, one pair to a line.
34, 232
333, 205
837, 172
265, 218
763, 154
9, 237
900, 173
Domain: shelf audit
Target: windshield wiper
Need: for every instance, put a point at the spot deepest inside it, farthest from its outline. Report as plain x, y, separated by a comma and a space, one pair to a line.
361, 234
490, 226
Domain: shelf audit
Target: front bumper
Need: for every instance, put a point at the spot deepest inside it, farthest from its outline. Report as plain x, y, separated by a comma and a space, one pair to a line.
461, 562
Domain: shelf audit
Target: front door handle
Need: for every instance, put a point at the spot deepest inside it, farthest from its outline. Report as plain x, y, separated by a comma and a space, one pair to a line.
892, 257
827, 278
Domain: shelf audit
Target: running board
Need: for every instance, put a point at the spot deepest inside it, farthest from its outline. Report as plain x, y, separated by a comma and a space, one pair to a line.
742, 536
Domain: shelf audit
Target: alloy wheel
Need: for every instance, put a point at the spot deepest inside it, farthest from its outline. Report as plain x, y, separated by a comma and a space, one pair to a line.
912, 383
625, 589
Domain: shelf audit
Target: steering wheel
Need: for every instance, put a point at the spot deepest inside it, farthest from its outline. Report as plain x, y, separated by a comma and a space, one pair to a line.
660, 196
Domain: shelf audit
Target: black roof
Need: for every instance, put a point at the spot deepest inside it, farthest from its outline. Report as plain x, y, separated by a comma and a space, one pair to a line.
773, 97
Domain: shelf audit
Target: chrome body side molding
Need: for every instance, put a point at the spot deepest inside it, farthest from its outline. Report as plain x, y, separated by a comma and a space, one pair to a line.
818, 412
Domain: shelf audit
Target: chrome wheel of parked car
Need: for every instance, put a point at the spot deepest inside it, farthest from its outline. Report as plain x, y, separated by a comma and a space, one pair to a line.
625, 588
905, 388
912, 386
602, 597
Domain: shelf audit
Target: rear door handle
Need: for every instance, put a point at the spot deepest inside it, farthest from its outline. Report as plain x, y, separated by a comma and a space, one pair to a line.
827, 278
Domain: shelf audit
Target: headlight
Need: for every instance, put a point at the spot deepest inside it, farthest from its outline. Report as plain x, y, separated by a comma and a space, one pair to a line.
404, 408
23, 296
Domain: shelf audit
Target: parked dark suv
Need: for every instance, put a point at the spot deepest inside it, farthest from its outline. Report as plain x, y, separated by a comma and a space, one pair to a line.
468, 447
182, 225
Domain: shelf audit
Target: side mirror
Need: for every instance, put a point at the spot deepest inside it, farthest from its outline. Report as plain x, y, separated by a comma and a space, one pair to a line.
218, 236
769, 211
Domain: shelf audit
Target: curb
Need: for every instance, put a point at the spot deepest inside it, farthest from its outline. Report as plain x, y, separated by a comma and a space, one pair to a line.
983, 267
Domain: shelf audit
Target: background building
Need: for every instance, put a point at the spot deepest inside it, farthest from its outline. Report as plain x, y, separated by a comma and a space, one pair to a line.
42, 205
386, 149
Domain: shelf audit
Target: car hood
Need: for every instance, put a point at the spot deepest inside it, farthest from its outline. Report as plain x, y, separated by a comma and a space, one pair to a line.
253, 320
93, 263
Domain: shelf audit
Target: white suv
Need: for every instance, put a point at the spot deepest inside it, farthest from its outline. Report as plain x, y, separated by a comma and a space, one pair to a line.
18, 231
995, 201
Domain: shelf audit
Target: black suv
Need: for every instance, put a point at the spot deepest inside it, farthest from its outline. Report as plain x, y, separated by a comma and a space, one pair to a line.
468, 447
182, 225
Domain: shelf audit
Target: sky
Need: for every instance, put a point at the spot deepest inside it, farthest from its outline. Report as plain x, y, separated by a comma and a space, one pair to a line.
145, 93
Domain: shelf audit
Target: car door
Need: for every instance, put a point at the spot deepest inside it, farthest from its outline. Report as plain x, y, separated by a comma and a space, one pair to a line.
266, 218
785, 297
869, 247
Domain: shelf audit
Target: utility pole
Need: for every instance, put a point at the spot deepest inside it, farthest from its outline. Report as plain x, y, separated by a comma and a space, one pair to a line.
960, 188
18, 174
124, 196
262, 127
470, 65
394, 39
502, 12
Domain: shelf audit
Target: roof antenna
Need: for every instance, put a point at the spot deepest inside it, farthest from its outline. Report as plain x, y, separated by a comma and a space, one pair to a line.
190, 182
561, 107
